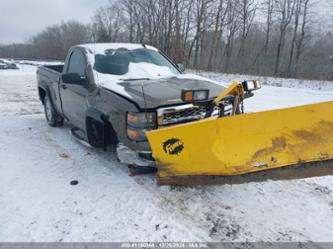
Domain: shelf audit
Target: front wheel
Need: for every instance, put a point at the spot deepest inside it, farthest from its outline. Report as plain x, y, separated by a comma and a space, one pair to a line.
52, 117
139, 170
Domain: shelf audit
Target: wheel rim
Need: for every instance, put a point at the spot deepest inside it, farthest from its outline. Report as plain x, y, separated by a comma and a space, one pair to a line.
48, 110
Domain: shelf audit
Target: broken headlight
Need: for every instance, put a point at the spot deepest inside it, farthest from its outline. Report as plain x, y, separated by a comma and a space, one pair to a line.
139, 123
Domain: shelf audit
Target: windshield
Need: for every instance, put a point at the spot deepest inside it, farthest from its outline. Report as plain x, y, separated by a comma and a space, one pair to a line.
134, 64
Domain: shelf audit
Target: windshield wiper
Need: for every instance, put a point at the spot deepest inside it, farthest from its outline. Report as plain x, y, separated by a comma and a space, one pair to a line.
135, 79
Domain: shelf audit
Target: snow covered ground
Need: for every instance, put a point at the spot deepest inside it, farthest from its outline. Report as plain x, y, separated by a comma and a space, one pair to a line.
38, 203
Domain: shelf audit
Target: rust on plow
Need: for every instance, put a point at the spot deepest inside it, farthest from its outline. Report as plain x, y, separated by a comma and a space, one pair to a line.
299, 171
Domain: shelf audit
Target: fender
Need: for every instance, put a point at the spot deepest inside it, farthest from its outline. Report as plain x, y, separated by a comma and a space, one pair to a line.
47, 91
95, 114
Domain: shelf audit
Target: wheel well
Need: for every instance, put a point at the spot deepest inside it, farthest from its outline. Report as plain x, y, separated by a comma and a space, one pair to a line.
107, 134
42, 94
110, 134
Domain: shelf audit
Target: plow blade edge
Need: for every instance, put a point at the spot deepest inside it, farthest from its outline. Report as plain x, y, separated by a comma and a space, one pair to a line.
245, 143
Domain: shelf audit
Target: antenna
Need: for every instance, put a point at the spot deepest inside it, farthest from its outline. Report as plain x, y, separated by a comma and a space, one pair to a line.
94, 40
144, 98
94, 37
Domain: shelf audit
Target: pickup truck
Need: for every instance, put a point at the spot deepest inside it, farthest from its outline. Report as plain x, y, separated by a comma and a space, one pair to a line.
113, 93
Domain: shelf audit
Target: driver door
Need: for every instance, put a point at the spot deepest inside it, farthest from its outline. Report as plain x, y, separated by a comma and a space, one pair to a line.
74, 96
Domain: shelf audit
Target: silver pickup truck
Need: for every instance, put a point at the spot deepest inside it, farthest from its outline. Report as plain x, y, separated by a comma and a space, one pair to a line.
113, 93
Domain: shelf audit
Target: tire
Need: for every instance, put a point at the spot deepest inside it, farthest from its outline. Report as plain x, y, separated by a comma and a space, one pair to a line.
100, 134
137, 170
52, 117
95, 133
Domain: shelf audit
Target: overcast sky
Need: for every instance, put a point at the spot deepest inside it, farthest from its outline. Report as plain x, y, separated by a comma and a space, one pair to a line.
21, 19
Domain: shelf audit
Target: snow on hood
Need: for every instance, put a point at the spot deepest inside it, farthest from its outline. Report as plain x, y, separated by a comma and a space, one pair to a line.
136, 71
113, 82
192, 76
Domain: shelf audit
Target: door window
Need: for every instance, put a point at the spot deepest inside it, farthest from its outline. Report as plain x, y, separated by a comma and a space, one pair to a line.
77, 64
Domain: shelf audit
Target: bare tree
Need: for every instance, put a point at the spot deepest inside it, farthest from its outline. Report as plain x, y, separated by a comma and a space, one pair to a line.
247, 10
301, 38
220, 16
285, 9
129, 9
186, 22
54, 41
297, 14
232, 26
108, 22
269, 21
201, 15
220, 35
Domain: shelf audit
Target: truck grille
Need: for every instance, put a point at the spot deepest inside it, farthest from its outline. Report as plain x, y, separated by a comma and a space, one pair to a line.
181, 114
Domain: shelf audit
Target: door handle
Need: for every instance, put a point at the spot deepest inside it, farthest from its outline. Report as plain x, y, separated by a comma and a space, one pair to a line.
63, 86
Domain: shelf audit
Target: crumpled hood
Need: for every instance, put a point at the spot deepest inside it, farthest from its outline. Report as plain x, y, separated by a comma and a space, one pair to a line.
166, 91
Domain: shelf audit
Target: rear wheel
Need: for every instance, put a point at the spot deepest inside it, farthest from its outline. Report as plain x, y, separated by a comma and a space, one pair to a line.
52, 117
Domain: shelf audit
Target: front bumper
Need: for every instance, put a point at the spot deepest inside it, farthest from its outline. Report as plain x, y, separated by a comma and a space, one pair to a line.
135, 158
139, 153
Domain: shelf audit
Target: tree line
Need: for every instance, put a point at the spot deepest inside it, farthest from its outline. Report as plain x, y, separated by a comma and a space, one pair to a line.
266, 37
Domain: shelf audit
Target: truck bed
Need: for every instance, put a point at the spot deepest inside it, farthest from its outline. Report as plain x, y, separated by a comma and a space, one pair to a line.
57, 68
49, 74
48, 78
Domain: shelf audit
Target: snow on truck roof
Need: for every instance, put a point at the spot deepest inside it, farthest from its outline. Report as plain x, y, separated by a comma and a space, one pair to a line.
101, 47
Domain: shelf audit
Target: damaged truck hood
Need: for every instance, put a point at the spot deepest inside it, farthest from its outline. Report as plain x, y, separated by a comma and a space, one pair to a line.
165, 91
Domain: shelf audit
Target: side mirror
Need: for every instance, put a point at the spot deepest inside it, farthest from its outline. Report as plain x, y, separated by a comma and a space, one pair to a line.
73, 78
181, 67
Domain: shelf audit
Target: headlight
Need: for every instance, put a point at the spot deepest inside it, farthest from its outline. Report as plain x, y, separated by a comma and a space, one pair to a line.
138, 135
251, 85
139, 123
141, 119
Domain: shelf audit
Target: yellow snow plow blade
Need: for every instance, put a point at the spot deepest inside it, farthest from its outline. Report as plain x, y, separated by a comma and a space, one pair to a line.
245, 143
